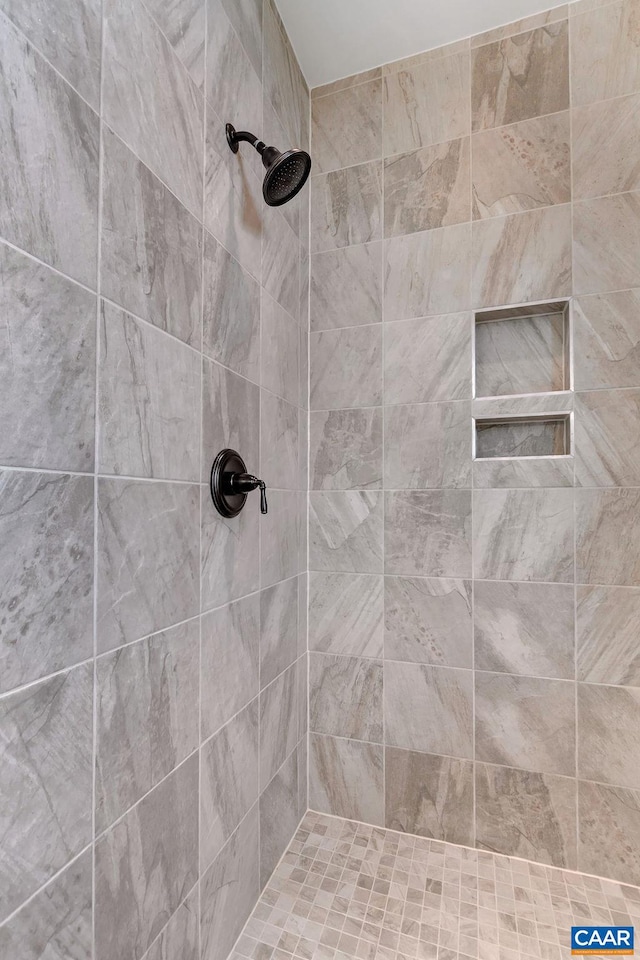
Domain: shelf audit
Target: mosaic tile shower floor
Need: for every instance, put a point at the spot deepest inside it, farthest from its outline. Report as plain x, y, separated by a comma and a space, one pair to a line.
345, 890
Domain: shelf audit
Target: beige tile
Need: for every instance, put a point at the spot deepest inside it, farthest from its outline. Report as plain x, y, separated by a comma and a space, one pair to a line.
607, 243
606, 147
609, 831
346, 207
608, 625
608, 537
520, 355
606, 340
607, 438
520, 26
328, 88
428, 273
427, 56
346, 127
523, 257
520, 77
608, 748
521, 166
604, 52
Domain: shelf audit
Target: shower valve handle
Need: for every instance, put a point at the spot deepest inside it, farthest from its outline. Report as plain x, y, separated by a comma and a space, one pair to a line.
245, 483
230, 484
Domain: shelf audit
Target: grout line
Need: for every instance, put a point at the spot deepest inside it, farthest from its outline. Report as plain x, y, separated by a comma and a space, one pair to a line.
88, 848
383, 357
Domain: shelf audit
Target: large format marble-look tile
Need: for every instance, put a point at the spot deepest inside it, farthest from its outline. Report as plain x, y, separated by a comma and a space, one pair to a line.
346, 449
281, 443
280, 351
427, 445
519, 355
428, 533
46, 781
149, 400
231, 312
608, 537
607, 438
512, 637
183, 24
279, 816
346, 368
345, 614
145, 866
427, 188
282, 551
604, 53
147, 558
146, 716
606, 138
46, 567
346, 207
345, 531
428, 273
608, 831
608, 719
284, 85
150, 100
347, 127
428, 708
280, 266
529, 815
527, 472
345, 697
520, 77
47, 367
606, 248
428, 621
426, 103
228, 780
346, 778
278, 629
246, 17
427, 360
229, 890
151, 252
179, 939
429, 796
521, 166
522, 257
57, 923
278, 723
230, 661
521, 26
230, 417
606, 340
346, 287
230, 555
50, 137
525, 722
325, 89
608, 621
523, 535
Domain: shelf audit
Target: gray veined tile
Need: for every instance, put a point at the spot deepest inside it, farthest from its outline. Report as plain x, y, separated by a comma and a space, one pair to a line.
51, 136
230, 417
523, 535
520, 355
525, 722
151, 252
303, 779
278, 723
346, 614
345, 697
512, 637
428, 533
146, 865
521, 26
606, 137
278, 629
345, 531
606, 340
428, 709
346, 126
606, 235
607, 438
346, 368
281, 553
608, 537
346, 778
231, 312
146, 716
346, 287
228, 780
326, 89
520, 77
428, 273
147, 558
150, 100
428, 621
230, 661
246, 17
524, 814
230, 558
279, 816
346, 449
280, 443
608, 621
47, 367
58, 921
607, 744
149, 403
609, 829
604, 53
427, 360
183, 24
427, 445
426, 103
280, 266
346, 207
283, 82
179, 939
302, 670
429, 796
280, 351
46, 567
427, 188
303, 612
528, 472
521, 166
46, 781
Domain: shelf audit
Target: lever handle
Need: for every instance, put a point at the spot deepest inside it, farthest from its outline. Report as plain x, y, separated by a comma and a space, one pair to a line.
263, 497
245, 482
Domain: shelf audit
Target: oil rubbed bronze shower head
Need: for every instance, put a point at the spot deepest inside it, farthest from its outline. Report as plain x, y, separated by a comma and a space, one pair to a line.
286, 173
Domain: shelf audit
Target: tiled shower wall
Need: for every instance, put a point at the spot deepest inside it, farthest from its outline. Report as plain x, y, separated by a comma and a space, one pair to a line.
153, 310
473, 633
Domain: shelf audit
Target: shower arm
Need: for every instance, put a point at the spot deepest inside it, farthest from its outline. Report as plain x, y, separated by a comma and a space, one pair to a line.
236, 137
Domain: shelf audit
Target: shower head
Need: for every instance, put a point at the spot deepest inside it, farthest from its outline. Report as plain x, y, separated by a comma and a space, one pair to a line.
286, 173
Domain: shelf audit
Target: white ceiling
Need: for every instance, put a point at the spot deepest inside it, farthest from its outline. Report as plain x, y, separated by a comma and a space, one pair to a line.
336, 38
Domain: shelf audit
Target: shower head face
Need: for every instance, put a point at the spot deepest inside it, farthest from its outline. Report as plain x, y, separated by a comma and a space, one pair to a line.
285, 177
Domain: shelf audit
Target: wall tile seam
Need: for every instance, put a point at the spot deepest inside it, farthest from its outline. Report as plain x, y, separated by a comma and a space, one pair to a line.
42, 263
314, 97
